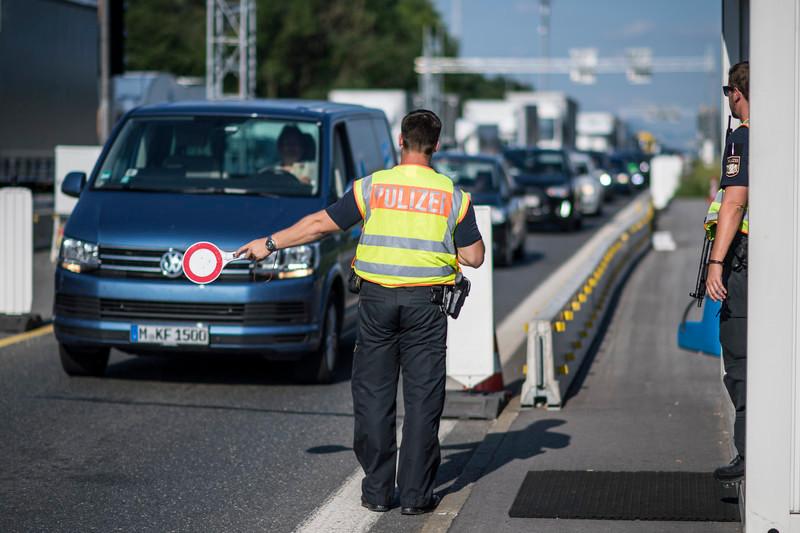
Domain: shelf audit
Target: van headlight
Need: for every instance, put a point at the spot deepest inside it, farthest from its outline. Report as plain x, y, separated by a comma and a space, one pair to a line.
78, 256
498, 215
295, 262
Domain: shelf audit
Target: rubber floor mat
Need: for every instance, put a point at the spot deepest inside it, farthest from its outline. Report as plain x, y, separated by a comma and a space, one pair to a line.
667, 496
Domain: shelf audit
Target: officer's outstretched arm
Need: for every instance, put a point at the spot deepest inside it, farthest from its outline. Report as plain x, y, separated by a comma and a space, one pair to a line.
472, 255
307, 229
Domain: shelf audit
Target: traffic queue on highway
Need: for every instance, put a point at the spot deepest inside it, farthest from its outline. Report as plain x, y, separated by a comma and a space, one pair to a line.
174, 174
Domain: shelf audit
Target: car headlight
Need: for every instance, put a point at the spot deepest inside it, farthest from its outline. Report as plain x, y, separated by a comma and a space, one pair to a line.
295, 262
605, 179
565, 209
558, 191
637, 179
498, 215
78, 256
622, 178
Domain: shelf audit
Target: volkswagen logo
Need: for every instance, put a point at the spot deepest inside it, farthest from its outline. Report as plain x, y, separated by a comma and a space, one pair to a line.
171, 264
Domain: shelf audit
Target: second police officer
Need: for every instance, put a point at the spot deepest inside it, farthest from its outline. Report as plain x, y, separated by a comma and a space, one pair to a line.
727, 223
418, 228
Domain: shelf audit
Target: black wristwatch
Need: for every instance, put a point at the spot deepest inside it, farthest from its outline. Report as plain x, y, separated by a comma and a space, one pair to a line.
271, 244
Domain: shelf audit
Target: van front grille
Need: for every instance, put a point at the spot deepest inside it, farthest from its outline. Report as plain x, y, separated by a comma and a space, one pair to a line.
146, 263
262, 313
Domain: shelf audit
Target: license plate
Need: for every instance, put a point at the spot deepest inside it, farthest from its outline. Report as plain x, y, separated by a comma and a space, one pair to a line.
169, 335
532, 201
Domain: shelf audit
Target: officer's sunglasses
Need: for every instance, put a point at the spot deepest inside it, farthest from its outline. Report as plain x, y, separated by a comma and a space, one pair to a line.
727, 89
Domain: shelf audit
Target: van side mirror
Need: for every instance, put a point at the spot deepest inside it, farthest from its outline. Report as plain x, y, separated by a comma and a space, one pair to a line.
73, 184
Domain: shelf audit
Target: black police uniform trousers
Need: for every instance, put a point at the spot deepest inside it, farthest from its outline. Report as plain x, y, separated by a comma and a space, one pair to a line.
400, 329
733, 334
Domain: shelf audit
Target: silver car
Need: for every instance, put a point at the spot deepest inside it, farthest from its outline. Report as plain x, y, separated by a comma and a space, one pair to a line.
587, 183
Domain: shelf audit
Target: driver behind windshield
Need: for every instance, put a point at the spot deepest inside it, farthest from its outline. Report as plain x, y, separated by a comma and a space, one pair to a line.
292, 147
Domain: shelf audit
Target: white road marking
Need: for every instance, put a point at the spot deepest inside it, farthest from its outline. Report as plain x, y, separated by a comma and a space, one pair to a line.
341, 512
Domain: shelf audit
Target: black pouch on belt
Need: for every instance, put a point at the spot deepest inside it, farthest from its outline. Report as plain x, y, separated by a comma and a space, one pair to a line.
354, 282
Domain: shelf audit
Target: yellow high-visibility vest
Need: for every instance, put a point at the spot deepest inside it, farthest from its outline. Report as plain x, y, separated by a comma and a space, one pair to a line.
712, 217
410, 215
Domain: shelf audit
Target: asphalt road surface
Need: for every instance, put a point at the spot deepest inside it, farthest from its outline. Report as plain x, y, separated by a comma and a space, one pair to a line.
200, 443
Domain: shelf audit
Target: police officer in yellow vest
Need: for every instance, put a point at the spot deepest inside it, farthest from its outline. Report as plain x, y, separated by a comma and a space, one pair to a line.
727, 224
418, 228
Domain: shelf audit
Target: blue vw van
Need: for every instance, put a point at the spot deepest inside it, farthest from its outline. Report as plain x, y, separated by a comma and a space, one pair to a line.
225, 172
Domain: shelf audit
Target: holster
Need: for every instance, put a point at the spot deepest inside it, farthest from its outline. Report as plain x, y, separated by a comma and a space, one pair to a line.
455, 295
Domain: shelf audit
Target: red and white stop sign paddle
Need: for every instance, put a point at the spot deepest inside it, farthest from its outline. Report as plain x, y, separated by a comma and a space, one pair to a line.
203, 262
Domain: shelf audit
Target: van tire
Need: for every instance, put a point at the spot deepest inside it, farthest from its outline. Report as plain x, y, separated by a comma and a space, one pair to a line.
81, 361
318, 366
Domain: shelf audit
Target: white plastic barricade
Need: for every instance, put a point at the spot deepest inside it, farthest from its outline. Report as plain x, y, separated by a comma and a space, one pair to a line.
665, 175
16, 251
68, 159
470, 338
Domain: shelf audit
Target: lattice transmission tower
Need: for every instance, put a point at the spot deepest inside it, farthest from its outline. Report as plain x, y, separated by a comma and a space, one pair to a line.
230, 48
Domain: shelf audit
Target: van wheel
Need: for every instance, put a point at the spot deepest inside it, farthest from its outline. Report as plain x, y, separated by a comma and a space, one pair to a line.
83, 361
318, 366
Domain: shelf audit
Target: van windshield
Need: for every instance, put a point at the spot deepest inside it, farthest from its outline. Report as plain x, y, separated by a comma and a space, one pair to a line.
215, 155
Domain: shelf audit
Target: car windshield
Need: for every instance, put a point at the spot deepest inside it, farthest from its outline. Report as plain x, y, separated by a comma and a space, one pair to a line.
536, 163
472, 175
215, 155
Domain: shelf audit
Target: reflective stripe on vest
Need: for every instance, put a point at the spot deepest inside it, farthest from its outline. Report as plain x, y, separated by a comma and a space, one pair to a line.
410, 213
710, 222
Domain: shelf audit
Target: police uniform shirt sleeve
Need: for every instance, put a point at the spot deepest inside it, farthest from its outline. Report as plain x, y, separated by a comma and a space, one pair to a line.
734, 164
467, 231
344, 212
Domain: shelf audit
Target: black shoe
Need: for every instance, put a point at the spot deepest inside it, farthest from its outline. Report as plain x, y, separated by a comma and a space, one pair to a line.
375, 508
422, 510
732, 473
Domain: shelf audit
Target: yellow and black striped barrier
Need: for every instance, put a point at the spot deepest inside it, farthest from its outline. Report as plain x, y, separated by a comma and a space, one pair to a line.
566, 326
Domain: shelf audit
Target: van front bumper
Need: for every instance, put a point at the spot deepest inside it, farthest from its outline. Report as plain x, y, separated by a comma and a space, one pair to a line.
279, 319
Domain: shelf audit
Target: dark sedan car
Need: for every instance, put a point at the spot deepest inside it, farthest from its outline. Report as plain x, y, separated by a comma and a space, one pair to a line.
549, 192
486, 179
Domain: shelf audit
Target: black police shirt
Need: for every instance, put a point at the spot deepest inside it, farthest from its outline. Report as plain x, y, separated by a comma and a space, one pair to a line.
345, 214
734, 163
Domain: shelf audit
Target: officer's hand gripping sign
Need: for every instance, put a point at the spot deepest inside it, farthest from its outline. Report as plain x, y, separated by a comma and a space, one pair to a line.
203, 262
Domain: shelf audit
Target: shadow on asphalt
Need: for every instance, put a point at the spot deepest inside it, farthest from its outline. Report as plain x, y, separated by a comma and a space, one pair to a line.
516, 445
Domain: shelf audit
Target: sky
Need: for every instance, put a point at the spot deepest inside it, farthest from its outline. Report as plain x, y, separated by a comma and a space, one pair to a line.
667, 106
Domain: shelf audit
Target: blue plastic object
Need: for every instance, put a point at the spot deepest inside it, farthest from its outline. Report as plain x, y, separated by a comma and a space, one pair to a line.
702, 336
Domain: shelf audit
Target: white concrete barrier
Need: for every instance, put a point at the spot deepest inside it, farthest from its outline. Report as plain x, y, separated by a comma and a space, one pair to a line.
16, 251
572, 303
470, 338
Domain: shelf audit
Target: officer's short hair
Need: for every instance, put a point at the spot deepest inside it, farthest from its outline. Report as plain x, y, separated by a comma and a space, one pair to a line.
739, 77
420, 130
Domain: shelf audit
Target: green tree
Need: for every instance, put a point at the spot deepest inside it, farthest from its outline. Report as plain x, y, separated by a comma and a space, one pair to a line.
304, 48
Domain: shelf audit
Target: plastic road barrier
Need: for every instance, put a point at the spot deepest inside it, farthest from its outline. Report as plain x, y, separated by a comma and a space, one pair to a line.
16, 250
665, 176
574, 300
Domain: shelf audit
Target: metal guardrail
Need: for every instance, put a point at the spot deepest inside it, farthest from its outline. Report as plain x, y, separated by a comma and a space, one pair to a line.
575, 299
